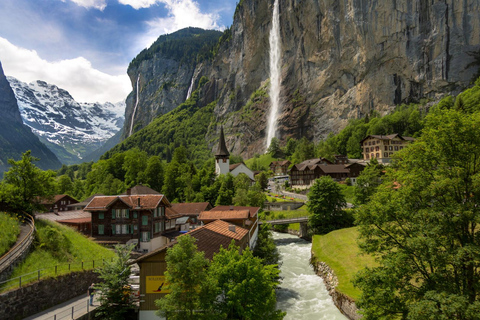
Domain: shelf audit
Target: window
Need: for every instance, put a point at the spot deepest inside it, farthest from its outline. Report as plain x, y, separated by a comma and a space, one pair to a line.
114, 213
162, 211
113, 229
135, 227
385, 155
372, 155
144, 220
118, 229
377, 155
101, 229
396, 148
101, 215
135, 214
390, 148
124, 228
367, 150
368, 157
377, 148
145, 236
401, 147
386, 148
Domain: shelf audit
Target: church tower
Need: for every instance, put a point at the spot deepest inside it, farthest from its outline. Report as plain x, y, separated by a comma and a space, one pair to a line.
222, 157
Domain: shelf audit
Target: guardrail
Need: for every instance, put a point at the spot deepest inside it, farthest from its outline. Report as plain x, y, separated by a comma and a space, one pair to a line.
17, 282
20, 248
285, 221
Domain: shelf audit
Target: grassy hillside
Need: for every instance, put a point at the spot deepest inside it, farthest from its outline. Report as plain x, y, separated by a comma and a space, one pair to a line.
58, 245
10, 227
340, 251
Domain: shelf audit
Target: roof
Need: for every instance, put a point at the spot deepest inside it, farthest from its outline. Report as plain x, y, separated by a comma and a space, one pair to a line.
224, 215
279, 163
222, 147
55, 199
335, 168
139, 190
234, 166
209, 239
149, 201
387, 137
76, 221
172, 214
191, 208
253, 210
311, 164
182, 220
64, 215
86, 201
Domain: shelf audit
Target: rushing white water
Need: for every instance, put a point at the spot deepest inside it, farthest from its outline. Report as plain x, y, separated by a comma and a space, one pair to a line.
135, 108
274, 91
302, 293
190, 89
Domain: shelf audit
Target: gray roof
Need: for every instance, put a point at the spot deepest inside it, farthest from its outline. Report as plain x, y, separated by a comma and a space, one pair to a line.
222, 147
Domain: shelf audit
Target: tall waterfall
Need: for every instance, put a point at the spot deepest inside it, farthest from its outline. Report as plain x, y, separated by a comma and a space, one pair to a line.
274, 92
190, 89
135, 108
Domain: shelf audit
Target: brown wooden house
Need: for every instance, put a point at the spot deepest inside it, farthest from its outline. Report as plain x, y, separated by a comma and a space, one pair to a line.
210, 238
58, 203
140, 219
191, 210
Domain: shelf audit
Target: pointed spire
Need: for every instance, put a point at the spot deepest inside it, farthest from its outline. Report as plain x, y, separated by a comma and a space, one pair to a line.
222, 150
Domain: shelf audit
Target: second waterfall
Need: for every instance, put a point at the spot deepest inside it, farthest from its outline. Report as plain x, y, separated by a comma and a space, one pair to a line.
274, 92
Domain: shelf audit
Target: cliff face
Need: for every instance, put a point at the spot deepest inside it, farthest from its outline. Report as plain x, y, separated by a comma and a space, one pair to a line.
15, 137
340, 60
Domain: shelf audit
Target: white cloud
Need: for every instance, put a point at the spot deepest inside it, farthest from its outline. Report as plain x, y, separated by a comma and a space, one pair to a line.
181, 14
138, 4
96, 4
77, 76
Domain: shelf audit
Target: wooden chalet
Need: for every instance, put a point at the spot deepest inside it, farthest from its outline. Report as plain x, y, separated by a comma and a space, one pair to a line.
143, 219
245, 217
191, 210
209, 239
58, 203
280, 168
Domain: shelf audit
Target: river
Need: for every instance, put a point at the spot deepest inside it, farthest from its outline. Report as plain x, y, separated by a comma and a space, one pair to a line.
302, 293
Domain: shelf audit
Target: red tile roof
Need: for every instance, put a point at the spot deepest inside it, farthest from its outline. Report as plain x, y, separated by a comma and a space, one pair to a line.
191, 208
223, 228
76, 221
150, 201
253, 210
224, 215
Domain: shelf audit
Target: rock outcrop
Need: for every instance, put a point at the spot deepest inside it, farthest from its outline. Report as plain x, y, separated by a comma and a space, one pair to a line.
340, 60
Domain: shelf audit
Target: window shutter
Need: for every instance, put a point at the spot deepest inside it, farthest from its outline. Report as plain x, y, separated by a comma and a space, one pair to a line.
128, 213
113, 229
113, 213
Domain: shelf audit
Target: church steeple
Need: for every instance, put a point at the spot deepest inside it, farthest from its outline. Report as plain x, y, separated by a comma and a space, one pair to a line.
222, 157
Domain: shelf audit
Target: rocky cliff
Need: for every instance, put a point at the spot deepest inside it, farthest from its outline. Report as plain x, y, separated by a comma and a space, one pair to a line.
340, 60
15, 137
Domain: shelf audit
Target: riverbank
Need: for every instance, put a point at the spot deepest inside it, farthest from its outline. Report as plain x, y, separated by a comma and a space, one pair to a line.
336, 258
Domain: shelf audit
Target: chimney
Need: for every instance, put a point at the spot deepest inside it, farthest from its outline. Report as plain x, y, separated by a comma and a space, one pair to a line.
231, 207
231, 227
129, 191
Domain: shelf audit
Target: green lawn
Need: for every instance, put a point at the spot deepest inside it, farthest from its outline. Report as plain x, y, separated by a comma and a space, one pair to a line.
262, 161
59, 246
340, 251
10, 227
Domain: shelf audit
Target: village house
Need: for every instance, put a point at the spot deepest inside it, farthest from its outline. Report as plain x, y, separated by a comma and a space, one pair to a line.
83, 204
383, 147
280, 168
245, 217
191, 210
58, 203
209, 239
143, 219
79, 220
222, 161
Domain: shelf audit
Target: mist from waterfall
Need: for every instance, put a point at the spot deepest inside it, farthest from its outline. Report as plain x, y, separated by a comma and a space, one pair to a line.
274, 91
135, 108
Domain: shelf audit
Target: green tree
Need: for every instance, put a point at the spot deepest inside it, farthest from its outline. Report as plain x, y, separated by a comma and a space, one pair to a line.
245, 287
27, 184
154, 173
115, 302
274, 148
305, 150
261, 180
290, 147
64, 185
368, 182
325, 205
190, 288
422, 226
265, 248
134, 164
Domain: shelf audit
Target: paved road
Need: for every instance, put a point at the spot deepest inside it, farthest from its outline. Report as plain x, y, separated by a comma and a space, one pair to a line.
79, 306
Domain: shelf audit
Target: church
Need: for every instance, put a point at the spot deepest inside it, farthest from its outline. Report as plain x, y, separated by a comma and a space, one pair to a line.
222, 161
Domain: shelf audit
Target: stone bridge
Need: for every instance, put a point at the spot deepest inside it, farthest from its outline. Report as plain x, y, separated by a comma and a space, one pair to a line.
302, 220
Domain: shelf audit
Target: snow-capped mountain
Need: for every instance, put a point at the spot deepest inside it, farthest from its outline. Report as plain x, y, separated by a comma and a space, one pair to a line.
69, 128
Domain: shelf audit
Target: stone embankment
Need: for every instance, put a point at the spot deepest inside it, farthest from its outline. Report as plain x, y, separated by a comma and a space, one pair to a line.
344, 303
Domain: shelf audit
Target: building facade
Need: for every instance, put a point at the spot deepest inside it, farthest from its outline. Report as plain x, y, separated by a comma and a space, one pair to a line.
382, 147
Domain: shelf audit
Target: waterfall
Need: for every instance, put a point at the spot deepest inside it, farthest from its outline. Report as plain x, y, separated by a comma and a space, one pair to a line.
274, 91
135, 108
189, 93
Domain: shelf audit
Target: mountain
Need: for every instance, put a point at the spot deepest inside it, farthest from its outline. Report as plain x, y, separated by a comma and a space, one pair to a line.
340, 60
70, 129
15, 137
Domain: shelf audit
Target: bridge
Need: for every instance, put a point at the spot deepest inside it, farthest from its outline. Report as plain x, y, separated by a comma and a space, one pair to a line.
302, 220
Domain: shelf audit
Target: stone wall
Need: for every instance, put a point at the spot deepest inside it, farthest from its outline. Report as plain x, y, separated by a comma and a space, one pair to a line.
344, 303
41, 295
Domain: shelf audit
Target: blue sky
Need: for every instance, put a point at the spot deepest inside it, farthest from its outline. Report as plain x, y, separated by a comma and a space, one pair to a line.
84, 46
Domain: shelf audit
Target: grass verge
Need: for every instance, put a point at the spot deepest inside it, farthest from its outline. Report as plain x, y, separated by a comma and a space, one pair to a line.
58, 250
10, 227
340, 251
